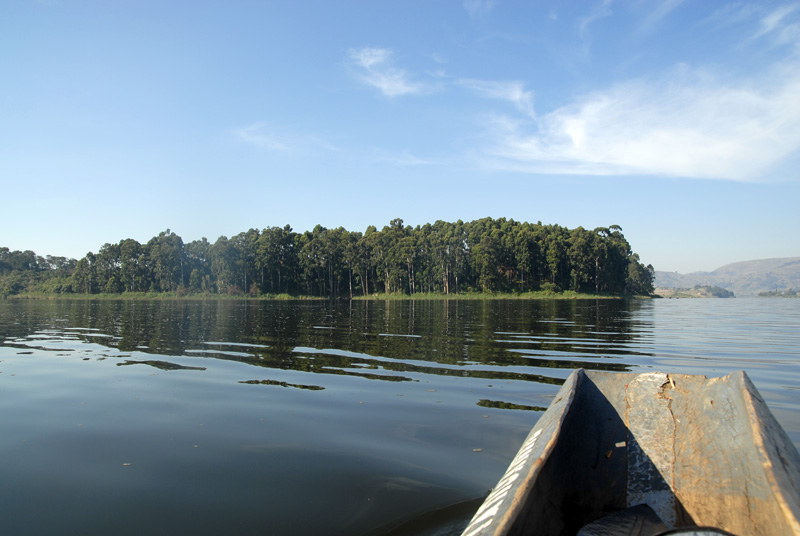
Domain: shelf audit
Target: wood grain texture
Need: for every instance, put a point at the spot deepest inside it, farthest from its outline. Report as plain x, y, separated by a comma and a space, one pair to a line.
697, 451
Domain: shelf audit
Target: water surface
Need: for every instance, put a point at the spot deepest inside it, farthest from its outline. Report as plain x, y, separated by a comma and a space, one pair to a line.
133, 417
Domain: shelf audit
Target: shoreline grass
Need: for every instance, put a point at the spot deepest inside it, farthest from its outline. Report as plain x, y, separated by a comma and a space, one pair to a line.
153, 296
477, 296
466, 296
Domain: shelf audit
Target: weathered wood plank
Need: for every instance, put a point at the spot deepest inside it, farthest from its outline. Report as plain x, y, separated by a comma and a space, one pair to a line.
651, 446
697, 451
723, 476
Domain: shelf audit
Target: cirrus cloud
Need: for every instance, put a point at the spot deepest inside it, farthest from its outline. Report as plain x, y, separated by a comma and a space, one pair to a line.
269, 137
376, 70
688, 125
511, 91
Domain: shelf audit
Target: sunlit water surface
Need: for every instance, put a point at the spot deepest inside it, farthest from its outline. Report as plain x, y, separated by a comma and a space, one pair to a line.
132, 417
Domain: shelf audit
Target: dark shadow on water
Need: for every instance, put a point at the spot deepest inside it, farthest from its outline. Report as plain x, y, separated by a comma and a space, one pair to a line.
448, 521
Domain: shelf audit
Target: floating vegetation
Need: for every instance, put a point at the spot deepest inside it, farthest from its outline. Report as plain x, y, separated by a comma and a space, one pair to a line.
507, 405
284, 384
163, 365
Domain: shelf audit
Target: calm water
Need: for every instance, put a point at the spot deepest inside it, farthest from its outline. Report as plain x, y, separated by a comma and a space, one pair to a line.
318, 418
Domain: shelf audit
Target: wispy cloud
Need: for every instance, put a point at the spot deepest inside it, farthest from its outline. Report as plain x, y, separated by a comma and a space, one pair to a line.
659, 11
685, 125
511, 91
779, 25
402, 159
687, 122
376, 70
270, 138
261, 135
276, 139
478, 7
600, 12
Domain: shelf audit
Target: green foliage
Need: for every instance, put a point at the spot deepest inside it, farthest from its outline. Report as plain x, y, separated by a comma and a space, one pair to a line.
11, 284
788, 293
489, 256
715, 291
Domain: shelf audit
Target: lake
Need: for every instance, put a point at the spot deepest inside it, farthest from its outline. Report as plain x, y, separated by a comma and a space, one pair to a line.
316, 417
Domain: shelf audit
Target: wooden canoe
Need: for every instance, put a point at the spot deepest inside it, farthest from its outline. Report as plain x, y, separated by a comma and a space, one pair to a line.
696, 451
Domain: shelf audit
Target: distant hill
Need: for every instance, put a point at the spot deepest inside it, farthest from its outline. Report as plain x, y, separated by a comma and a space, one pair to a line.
746, 278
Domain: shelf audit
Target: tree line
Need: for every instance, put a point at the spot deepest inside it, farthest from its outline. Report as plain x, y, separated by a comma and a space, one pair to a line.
487, 255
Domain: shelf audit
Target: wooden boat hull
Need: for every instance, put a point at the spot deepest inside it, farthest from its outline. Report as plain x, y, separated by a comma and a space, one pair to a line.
697, 451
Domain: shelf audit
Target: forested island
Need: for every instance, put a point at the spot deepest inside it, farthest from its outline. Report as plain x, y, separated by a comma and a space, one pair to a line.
482, 256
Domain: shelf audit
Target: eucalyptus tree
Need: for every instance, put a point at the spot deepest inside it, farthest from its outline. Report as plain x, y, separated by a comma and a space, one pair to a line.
379, 256
556, 242
639, 278
408, 254
84, 280
319, 258
108, 269
582, 253
276, 258
613, 254
222, 255
426, 263
5, 265
395, 254
330, 248
198, 259
351, 257
132, 266
460, 254
364, 264
451, 251
21, 261
62, 266
246, 244
484, 262
439, 252
167, 260
508, 270
324, 257
525, 255
487, 254
288, 263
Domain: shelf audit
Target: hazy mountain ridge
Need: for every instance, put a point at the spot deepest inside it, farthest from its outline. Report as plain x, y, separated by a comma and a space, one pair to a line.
746, 278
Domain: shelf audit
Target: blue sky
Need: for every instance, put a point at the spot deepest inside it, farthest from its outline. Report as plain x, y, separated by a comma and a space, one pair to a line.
677, 120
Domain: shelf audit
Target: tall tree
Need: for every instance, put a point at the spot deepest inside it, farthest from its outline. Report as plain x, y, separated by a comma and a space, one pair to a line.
487, 254
246, 245
167, 260
85, 276
199, 265
222, 255
107, 268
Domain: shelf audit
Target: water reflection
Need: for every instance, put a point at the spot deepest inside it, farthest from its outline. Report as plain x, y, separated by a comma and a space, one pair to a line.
363, 413
162, 365
283, 384
390, 341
